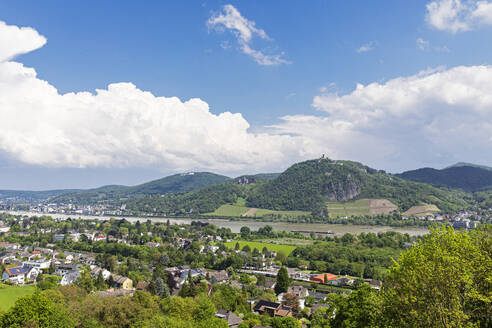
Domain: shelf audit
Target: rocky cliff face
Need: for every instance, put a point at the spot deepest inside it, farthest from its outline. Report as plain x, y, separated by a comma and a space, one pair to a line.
343, 190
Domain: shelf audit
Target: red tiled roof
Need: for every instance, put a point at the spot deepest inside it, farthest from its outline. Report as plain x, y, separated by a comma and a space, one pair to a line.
321, 277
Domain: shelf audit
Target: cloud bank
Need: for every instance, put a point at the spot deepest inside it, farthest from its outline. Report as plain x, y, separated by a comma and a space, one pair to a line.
231, 19
434, 117
459, 15
121, 126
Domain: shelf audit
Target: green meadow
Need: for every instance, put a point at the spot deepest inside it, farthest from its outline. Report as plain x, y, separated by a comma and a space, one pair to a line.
10, 294
285, 249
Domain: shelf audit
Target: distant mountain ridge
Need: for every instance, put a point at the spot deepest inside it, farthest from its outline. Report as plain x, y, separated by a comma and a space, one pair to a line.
469, 178
460, 164
183, 182
306, 186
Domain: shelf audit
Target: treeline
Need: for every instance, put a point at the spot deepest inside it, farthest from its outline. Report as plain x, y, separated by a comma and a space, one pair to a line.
367, 255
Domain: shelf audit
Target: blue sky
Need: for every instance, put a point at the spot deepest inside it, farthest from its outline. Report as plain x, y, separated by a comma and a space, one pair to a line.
168, 49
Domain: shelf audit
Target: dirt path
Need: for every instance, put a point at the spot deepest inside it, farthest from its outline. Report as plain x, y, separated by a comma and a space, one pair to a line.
250, 212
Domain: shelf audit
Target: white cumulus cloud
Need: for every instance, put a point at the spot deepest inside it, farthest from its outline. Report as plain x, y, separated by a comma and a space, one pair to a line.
459, 15
15, 41
435, 117
231, 19
121, 126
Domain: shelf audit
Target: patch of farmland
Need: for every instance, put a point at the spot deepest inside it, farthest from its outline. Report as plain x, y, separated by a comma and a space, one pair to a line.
422, 210
361, 207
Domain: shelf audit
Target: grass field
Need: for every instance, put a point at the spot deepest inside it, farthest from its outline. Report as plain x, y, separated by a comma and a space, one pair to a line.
286, 249
238, 211
10, 294
230, 210
360, 207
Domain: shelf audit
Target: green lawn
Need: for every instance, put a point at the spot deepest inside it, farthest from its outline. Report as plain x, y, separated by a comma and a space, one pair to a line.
286, 249
9, 294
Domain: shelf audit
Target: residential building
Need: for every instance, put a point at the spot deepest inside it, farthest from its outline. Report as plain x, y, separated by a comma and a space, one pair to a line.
15, 275
323, 278
272, 309
122, 282
233, 320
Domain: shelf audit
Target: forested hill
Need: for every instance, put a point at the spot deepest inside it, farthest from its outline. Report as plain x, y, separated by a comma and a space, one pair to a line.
310, 184
460, 164
177, 183
468, 178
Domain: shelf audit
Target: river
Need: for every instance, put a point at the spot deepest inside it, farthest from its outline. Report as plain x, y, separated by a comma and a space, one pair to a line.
235, 226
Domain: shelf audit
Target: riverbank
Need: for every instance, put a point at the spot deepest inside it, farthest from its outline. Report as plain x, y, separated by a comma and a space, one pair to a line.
235, 226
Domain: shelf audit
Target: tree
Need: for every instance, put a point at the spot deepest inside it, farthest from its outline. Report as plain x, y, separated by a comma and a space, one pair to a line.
291, 300
260, 280
100, 283
85, 280
36, 310
160, 288
442, 281
283, 281
245, 232
164, 260
360, 309
237, 247
286, 322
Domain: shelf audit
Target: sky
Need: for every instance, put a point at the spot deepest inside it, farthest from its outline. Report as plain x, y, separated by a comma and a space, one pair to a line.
122, 92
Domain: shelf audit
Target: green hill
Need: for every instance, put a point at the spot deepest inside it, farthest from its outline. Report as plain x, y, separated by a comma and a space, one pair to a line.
460, 164
468, 178
310, 185
177, 183
27, 196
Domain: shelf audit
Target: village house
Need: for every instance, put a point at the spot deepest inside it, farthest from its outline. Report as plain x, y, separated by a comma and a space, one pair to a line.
95, 270
15, 275
143, 285
272, 309
40, 264
69, 278
62, 269
217, 276
122, 282
323, 278
233, 320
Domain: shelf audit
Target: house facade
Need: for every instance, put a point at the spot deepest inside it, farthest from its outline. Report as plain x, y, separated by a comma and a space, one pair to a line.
15, 275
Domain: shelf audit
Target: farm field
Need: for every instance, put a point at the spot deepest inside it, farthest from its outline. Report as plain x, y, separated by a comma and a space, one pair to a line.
422, 210
286, 249
238, 211
10, 294
361, 207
